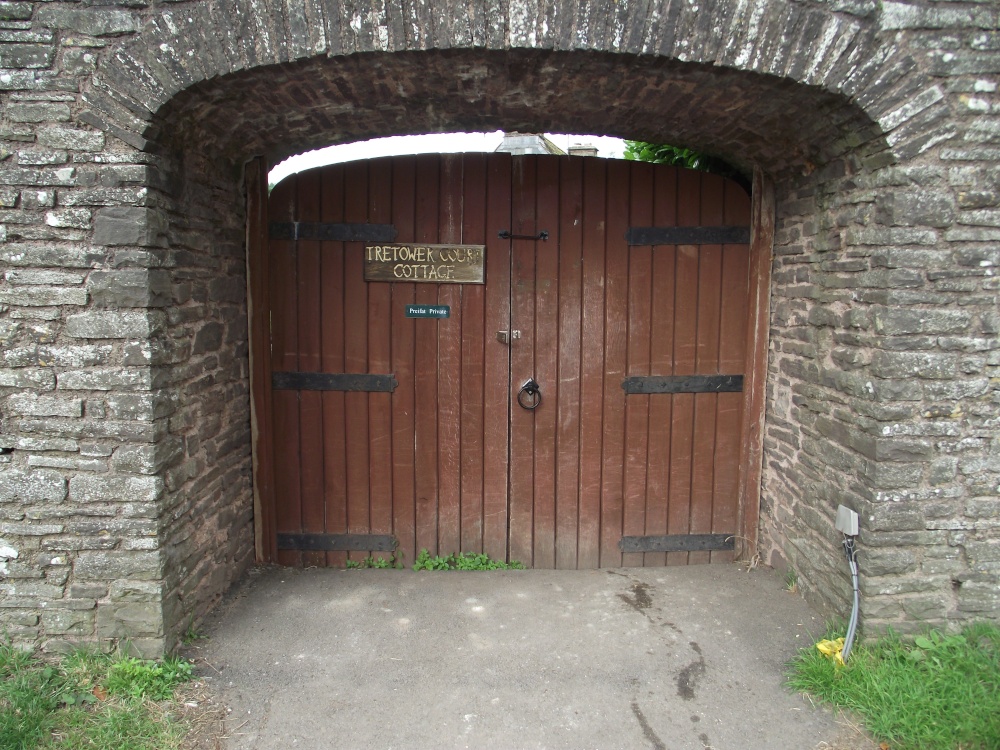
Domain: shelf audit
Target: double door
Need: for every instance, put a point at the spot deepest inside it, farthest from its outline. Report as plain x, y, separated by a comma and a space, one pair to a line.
392, 430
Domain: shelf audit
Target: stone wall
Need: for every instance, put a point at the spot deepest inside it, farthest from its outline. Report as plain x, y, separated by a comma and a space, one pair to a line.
125, 487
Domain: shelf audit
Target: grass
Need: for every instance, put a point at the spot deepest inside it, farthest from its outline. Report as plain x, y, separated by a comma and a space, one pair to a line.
88, 700
936, 692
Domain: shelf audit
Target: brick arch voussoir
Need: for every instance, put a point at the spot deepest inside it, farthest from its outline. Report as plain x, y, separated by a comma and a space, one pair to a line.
183, 46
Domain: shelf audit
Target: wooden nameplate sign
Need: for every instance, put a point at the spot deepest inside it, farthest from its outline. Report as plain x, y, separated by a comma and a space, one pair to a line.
426, 264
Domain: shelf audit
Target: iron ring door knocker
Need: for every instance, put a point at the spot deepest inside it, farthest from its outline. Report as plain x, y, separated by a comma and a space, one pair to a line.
530, 396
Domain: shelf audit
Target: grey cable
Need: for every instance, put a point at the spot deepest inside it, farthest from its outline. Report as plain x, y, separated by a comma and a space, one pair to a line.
852, 626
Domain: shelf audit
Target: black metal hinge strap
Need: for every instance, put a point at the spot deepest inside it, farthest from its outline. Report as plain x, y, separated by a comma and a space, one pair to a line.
330, 232
688, 235
337, 542
683, 384
505, 234
333, 381
678, 543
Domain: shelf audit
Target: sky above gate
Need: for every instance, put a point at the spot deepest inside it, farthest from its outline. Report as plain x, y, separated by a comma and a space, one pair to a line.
435, 143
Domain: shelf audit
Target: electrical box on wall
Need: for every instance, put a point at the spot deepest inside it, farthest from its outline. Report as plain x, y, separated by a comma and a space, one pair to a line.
847, 521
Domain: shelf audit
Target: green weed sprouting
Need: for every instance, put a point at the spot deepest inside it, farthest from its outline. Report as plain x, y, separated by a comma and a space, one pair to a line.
463, 561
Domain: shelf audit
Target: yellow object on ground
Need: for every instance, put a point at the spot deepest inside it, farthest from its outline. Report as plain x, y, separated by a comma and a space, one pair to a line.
832, 650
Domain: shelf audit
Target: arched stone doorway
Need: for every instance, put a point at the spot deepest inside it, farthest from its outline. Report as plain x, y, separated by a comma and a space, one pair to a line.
823, 104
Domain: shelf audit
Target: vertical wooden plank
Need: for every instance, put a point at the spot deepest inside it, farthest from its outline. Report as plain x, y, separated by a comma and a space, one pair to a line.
755, 379
356, 356
449, 366
706, 362
259, 312
332, 333
522, 365
664, 263
685, 338
379, 360
426, 364
497, 385
569, 237
546, 361
640, 293
592, 362
473, 360
284, 353
732, 356
308, 300
403, 353
615, 345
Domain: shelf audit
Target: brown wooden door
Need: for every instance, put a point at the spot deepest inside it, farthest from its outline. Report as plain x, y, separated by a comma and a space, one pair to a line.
449, 460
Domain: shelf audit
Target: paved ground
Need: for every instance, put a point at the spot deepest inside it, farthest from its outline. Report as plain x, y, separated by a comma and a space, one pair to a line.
683, 658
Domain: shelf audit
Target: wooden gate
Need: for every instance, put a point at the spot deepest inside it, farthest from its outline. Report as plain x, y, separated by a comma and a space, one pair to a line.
619, 289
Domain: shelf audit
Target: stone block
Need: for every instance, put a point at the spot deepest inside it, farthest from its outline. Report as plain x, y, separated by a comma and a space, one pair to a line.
228, 289
986, 551
89, 21
88, 591
43, 296
114, 325
36, 111
147, 459
893, 517
913, 364
116, 489
36, 158
15, 11
128, 225
139, 406
32, 486
208, 339
111, 565
897, 321
47, 444
886, 560
39, 379
136, 591
68, 622
74, 139
981, 598
42, 278
30, 404
79, 62
129, 620
926, 208
75, 464
106, 379
74, 356
29, 56
130, 288
69, 218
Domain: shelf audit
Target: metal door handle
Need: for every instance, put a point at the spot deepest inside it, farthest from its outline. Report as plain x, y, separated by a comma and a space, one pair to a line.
530, 396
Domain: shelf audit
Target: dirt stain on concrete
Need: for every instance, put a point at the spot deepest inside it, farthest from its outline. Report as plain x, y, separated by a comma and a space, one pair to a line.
687, 679
647, 730
640, 599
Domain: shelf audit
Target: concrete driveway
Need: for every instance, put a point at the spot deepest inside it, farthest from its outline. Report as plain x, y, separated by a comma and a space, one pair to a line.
681, 658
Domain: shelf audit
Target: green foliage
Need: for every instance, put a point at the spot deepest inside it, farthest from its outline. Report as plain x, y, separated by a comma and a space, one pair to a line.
380, 562
677, 156
86, 700
192, 634
791, 580
147, 679
463, 561
938, 692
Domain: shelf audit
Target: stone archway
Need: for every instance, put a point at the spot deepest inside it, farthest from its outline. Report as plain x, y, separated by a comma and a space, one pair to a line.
831, 105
